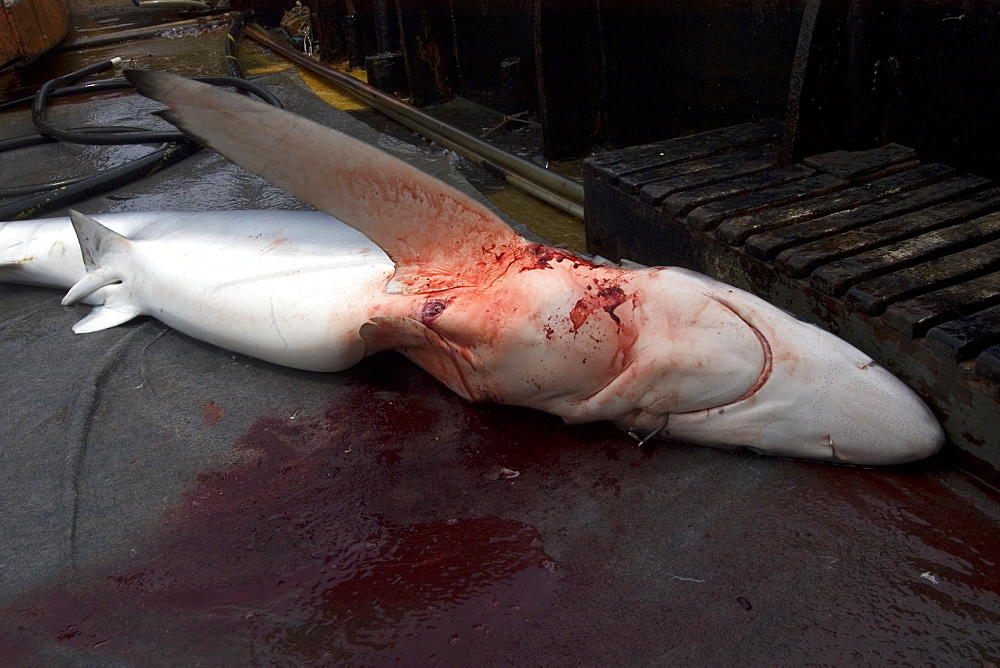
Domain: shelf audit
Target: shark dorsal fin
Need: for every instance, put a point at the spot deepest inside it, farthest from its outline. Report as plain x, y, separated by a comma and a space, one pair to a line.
95, 239
437, 237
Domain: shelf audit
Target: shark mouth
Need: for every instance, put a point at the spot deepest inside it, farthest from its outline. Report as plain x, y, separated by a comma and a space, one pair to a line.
762, 378
766, 369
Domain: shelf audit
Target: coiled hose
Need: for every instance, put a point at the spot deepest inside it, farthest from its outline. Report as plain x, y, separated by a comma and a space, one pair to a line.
174, 146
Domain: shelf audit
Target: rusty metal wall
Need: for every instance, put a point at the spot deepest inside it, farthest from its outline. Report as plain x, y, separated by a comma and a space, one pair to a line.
610, 73
29, 28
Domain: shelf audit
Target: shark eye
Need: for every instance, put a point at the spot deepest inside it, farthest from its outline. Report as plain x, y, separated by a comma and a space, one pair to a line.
756, 451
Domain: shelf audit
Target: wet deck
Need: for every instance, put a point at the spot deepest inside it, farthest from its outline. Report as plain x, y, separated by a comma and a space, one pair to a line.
169, 502
900, 257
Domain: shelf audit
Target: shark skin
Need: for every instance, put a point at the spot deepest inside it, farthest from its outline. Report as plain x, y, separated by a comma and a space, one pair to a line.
662, 352
289, 287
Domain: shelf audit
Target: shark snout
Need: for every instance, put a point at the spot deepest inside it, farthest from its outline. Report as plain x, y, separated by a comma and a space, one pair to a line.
828, 411
822, 399
827, 408
874, 418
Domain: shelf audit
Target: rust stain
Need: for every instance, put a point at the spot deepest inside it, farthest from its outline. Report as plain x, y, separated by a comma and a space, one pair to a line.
274, 244
211, 413
980, 442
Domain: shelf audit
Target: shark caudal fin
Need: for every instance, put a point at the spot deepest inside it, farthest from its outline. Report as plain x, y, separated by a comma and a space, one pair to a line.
438, 237
102, 251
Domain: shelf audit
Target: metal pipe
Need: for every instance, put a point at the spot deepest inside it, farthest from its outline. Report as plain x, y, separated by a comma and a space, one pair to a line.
562, 188
182, 4
353, 41
386, 27
567, 206
800, 63
138, 33
553, 199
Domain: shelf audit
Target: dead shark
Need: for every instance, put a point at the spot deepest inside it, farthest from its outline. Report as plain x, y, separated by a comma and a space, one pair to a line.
660, 352
289, 287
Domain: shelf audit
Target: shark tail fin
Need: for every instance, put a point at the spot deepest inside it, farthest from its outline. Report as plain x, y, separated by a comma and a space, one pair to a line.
103, 251
437, 237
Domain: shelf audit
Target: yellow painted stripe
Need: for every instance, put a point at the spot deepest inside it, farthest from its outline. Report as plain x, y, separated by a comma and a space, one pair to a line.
330, 93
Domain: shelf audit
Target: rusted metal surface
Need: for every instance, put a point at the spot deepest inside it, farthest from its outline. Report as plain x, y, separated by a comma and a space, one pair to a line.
429, 52
9, 49
900, 258
569, 79
29, 28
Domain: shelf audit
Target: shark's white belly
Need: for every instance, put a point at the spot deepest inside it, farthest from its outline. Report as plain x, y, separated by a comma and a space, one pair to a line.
289, 287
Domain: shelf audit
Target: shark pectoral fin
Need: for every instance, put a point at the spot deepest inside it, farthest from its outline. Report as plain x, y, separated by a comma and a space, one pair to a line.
446, 361
390, 332
105, 317
412, 216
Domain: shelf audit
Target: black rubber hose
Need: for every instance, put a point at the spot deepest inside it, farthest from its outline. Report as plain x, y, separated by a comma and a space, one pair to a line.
32, 188
122, 84
35, 139
68, 91
143, 137
116, 177
27, 141
175, 145
233, 42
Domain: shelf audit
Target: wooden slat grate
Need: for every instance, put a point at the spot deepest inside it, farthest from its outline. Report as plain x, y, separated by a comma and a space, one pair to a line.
878, 229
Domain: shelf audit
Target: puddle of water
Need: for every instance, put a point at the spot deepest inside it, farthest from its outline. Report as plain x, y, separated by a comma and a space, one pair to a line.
546, 221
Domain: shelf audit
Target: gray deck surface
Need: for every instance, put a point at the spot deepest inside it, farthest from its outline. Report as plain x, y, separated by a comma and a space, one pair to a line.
168, 502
